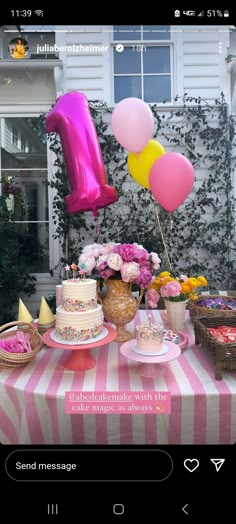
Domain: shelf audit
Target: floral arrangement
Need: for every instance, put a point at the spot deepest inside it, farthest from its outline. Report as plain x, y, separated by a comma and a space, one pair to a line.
174, 289
128, 262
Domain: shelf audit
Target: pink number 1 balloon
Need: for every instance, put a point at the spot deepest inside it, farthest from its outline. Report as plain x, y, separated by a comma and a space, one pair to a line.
72, 120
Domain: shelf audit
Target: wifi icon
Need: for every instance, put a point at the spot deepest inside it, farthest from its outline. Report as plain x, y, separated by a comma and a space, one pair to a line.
39, 12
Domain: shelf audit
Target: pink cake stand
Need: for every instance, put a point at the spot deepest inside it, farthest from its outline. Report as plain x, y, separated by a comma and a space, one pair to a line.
80, 359
150, 366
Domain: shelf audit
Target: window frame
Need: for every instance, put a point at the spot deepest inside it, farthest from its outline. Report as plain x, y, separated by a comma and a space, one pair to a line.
146, 43
34, 111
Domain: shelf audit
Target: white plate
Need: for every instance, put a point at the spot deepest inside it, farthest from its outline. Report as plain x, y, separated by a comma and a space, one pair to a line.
102, 335
163, 350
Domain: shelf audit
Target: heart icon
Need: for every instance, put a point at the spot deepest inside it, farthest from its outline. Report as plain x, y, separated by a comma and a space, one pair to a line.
191, 464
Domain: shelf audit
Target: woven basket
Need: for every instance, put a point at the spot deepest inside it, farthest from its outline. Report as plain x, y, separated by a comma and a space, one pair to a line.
222, 355
12, 360
196, 311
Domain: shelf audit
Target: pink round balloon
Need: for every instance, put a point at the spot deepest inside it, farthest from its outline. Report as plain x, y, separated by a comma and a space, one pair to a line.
132, 124
171, 180
72, 120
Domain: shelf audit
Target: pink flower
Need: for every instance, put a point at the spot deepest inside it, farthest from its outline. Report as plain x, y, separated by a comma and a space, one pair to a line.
96, 252
130, 271
184, 278
126, 251
101, 262
152, 304
141, 255
67, 267
144, 279
155, 261
164, 291
114, 261
106, 249
171, 289
90, 265
152, 298
83, 259
107, 273
91, 247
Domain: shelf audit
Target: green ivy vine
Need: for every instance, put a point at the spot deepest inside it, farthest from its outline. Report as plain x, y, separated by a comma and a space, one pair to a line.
200, 234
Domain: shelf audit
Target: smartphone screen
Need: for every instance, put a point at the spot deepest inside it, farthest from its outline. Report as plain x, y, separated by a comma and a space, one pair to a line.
117, 224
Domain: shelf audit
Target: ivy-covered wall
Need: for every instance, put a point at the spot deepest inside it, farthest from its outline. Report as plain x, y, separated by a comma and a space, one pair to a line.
200, 234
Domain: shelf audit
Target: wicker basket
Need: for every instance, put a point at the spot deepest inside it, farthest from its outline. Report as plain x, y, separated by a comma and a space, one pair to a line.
196, 311
222, 355
12, 360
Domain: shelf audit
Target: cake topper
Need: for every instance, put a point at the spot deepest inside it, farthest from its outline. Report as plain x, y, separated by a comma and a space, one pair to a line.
67, 269
78, 272
74, 268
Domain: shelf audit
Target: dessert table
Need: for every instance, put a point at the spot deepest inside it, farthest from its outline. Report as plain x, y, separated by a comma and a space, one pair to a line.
203, 410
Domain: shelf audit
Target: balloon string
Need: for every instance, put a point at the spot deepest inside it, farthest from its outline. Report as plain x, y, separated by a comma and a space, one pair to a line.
163, 240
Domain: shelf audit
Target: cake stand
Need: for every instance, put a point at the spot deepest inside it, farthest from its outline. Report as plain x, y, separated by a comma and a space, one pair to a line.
150, 366
80, 358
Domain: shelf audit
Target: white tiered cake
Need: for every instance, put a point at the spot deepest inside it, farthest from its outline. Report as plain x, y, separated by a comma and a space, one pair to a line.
79, 317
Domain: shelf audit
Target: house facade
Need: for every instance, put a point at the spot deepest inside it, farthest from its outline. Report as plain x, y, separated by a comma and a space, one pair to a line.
159, 64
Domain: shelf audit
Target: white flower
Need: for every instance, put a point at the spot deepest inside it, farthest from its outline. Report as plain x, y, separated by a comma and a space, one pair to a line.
114, 261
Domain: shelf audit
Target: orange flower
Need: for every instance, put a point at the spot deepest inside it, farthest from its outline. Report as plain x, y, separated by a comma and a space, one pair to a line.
185, 288
73, 267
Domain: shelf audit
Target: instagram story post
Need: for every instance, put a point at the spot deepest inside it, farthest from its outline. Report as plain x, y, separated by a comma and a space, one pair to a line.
117, 266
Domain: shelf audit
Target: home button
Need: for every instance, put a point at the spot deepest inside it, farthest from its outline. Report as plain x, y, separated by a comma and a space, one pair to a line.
118, 509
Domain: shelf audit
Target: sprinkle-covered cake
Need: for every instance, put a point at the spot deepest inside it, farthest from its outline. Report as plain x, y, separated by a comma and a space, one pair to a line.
79, 317
149, 338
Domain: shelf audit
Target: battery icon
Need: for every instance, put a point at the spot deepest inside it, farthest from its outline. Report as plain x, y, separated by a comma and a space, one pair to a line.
226, 13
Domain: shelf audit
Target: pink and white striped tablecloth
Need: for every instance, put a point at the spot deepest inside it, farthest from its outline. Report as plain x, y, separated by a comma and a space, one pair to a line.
32, 404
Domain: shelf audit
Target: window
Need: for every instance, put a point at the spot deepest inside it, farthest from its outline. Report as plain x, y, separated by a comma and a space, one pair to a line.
24, 178
14, 134
142, 64
23, 144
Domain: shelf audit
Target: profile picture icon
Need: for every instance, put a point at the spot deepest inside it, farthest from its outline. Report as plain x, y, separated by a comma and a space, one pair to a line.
18, 48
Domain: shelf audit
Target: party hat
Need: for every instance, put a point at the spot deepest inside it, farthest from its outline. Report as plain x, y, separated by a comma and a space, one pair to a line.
46, 317
23, 313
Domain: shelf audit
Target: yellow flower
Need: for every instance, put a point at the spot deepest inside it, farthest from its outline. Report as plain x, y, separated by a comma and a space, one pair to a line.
202, 280
165, 280
164, 274
193, 296
193, 282
185, 288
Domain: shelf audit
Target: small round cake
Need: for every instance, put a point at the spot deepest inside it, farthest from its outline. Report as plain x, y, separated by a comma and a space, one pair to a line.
149, 339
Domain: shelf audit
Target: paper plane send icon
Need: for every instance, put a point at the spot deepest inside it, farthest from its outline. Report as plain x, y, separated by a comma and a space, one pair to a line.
218, 463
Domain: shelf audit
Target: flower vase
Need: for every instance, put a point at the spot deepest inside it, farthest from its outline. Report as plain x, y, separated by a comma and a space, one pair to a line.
120, 307
175, 312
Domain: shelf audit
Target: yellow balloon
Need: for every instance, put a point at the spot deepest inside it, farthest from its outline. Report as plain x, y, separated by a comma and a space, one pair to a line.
140, 164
